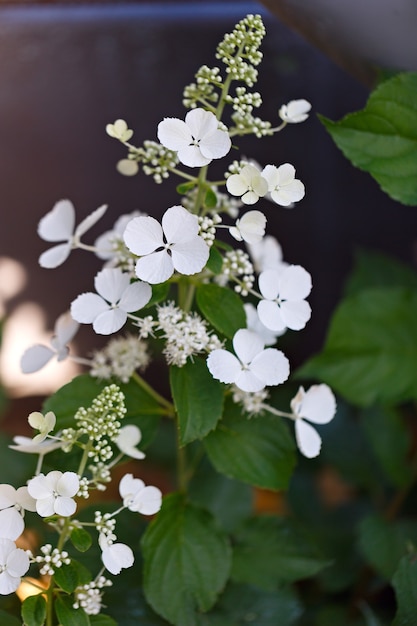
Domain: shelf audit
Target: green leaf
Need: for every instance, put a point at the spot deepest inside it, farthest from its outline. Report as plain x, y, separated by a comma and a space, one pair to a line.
269, 551
81, 539
259, 451
187, 561
9, 620
405, 585
384, 543
215, 261
33, 611
66, 577
198, 399
159, 293
67, 615
382, 138
222, 307
102, 620
373, 269
371, 348
210, 200
184, 188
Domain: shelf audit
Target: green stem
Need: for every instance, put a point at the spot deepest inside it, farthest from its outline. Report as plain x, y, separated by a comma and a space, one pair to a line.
154, 394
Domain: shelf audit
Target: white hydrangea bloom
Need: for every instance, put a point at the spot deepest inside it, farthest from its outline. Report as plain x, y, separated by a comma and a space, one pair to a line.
59, 225
197, 140
37, 356
13, 503
317, 405
254, 324
295, 111
176, 245
119, 130
250, 227
120, 358
283, 187
27, 445
54, 493
139, 498
283, 304
128, 438
253, 367
115, 556
249, 184
43, 423
266, 254
14, 563
116, 296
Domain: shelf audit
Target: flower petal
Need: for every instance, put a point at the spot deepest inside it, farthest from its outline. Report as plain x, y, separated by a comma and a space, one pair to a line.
271, 366
318, 404
295, 314
68, 484
35, 358
11, 523
236, 185
148, 501
268, 282
155, 268
90, 220
201, 123
294, 283
129, 485
64, 506
179, 225
271, 316
247, 381
216, 145
135, 296
128, 438
45, 506
110, 284
58, 224
143, 235
55, 256
39, 487
191, 156
190, 257
87, 306
109, 321
7, 496
18, 563
247, 345
308, 439
116, 557
223, 366
65, 329
174, 133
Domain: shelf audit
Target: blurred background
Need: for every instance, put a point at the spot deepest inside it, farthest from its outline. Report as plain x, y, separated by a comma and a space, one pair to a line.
68, 69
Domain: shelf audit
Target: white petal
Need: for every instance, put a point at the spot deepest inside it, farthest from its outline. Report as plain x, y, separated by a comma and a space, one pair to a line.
235, 232
68, 484
252, 226
129, 485
90, 220
35, 358
87, 306
36, 420
308, 439
109, 321
65, 329
294, 283
11, 524
7, 496
174, 133
39, 487
191, 156
179, 225
266, 254
269, 284
254, 323
247, 345
128, 438
143, 235
223, 366
295, 314
318, 404
18, 563
190, 257
201, 122
25, 500
45, 506
236, 185
270, 315
8, 584
216, 145
64, 506
110, 283
271, 366
247, 381
155, 268
250, 197
148, 501
116, 557
135, 296
58, 224
55, 256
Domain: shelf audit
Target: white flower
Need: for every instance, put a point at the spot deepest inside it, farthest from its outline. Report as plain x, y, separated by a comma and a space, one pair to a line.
44, 423
198, 140
250, 227
119, 130
54, 492
283, 305
249, 184
37, 356
295, 111
128, 438
283, 187
14, 563
115, 556
13, 503
107, 244
26, 444
253, 368
58, 225
116, 297
175, 245
318, 405
137, 497
254, 324
266, 254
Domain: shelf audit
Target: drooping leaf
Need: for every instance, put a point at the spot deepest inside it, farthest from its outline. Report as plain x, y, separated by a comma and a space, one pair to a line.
259, 451
33, 611
382, 138
371, 348
187, 561
198, 399
222, 307
405, 585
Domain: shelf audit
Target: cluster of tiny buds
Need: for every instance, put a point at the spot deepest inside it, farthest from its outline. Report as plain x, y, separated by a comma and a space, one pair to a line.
242, 43
237, 265
207, 79
89, 596
247, 123
208, 227
146, 326
68, 437
105, 525
52, 559
158, 161
83, 491
101, 452
244, 102
103, 417
252, 403
100, 474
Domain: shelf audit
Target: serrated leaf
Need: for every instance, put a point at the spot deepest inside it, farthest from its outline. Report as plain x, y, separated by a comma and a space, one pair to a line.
198, 399
269, 551
371, 348
215, 261
405, 585
66, 577
187, 561
67, 615
258, 451
33, 611
81, 539
382, 138
222, 307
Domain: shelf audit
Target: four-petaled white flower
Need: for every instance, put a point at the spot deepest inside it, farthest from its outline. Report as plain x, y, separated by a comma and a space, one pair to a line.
266, 254
283, 305
197, 140
58, 225
119, 130
250, 227
44, 423
128, 438
14, 563
115, 556
13, 503
54, 493
116, 296
253, 368
176, 245
139, 498
283, 187
318, 405
37, 356
295, 111
249, 184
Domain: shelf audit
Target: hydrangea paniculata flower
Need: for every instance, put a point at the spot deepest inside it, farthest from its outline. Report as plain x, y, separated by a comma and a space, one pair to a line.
115, 556
295, 111
43, 423
54, 493
14, 563
250, 227
283, 304
197, 140
253, 367
116, 296
317, 405
283, 187
59, 225
176, 245
139, 498
249, 184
